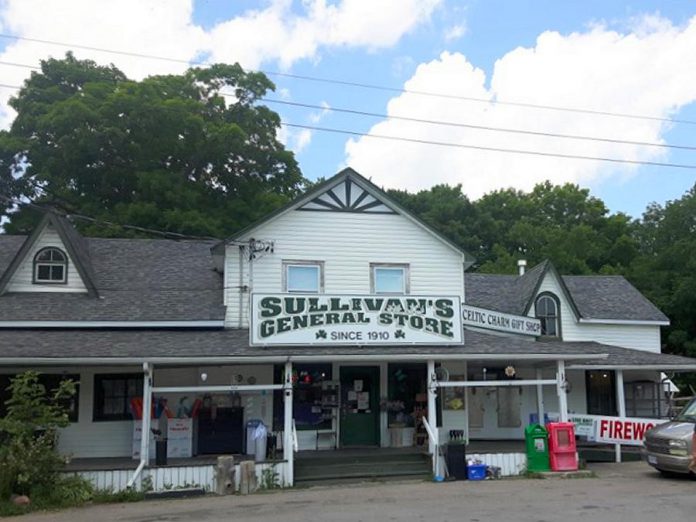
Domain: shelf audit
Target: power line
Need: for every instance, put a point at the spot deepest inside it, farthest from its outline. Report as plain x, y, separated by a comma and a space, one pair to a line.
434, 122
472, 126
358, 84
104, 222
492, 149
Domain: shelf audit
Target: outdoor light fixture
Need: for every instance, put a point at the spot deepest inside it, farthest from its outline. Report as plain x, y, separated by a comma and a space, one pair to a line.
204, 376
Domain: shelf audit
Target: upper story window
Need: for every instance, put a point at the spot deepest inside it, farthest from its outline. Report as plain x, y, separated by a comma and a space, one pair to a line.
303, 277
50, 266
547, 311
387, 278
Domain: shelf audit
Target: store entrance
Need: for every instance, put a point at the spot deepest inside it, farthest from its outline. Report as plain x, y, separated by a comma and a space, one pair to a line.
359, 406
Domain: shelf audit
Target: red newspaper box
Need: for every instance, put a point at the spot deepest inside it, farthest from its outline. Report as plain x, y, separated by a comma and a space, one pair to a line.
563, 454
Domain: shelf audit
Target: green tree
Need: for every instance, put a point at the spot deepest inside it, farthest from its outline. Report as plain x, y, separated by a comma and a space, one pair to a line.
666, 269
29, 431
169, 152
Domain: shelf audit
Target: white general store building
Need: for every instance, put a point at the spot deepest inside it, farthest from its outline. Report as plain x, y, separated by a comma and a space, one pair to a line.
341, 321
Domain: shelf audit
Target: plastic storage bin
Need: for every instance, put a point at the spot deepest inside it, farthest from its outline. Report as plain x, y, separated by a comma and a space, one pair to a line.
476, 471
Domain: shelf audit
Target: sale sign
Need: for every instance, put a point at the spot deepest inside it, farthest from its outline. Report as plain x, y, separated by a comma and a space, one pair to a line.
623, 430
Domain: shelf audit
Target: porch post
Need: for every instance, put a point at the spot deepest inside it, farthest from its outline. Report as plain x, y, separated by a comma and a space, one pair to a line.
620, 406
560, 390
432, 412
540, 396
288, 450
147, 413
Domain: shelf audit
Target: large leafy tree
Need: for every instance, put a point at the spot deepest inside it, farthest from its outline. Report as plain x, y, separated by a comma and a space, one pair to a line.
666, 269
561, 223
194, 153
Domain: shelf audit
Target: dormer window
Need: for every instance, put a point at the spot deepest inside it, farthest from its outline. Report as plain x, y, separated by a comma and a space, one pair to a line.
50, 266
546, 308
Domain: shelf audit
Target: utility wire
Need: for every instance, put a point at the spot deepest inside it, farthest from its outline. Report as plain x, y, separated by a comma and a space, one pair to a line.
472, 126
357, 84
97, 221
479, 147
493, 149
433, 122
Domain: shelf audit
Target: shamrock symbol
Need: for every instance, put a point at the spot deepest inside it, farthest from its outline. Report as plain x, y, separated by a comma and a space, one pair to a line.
399, 334
321, 334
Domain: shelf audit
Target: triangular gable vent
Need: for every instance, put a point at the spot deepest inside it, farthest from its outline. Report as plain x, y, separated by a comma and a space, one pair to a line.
347, 196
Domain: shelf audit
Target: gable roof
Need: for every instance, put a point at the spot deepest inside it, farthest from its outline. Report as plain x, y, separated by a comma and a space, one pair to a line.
601, 298
139, 280
73, 242
348, 175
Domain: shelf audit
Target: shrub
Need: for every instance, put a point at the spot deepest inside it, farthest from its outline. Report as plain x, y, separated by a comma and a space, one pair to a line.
29, 461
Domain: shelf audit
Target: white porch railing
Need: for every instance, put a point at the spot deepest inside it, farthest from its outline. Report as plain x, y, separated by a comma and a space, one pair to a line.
435, 444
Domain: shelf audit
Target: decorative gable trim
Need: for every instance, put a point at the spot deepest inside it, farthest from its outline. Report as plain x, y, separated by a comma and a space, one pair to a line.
73, 244
347, 196
357, 181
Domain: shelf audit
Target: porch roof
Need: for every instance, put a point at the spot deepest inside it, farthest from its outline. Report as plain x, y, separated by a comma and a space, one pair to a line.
180, 347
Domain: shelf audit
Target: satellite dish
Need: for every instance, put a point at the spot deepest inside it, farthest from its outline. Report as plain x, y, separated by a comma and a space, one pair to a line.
441, 374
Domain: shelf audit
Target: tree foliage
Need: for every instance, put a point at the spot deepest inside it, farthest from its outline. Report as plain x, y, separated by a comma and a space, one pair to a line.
29, 431
561, 223
169, 152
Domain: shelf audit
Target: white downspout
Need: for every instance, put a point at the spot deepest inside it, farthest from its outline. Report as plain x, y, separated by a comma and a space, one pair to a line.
147, 409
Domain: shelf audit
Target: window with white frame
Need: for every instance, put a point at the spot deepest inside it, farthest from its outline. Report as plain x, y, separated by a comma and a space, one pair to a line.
303, 277
547, 311
50, 266
389, 278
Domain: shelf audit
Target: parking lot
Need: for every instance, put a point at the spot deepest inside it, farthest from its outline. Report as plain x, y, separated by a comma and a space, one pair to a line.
619, 492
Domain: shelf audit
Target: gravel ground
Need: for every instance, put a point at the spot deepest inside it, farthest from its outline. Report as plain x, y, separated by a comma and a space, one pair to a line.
620, 492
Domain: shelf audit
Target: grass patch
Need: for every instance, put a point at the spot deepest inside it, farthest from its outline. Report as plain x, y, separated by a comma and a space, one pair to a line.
68, 492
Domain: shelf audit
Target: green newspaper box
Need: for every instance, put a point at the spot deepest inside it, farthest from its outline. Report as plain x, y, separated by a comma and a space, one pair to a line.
537, 439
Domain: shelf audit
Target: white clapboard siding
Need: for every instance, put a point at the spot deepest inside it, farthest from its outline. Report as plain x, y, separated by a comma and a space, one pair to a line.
22, 279
638, 337
347, 242
510, 464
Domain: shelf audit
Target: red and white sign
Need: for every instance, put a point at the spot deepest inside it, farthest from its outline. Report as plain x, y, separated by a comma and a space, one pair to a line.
623, 430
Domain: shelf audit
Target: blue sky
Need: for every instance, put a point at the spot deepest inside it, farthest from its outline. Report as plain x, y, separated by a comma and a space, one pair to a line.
628, 57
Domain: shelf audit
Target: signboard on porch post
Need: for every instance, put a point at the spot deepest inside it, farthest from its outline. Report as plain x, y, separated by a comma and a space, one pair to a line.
311, 319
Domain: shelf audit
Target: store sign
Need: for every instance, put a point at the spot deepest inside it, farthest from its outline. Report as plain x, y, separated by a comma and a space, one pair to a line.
623, 430
311, 319
491, 320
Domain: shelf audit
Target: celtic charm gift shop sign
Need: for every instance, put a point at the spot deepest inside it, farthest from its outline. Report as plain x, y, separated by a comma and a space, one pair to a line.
311, 319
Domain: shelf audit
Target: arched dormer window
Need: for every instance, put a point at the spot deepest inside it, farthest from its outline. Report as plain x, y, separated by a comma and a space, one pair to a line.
548, 312
50, 266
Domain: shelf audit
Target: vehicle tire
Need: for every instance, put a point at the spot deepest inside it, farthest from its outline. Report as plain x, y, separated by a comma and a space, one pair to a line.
668, 474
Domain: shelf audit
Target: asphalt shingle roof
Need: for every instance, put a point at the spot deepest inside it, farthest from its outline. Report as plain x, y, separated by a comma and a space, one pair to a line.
196, 344
595, 297
137, 280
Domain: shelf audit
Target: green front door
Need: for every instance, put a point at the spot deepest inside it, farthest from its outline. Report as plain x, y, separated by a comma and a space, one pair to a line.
359, 406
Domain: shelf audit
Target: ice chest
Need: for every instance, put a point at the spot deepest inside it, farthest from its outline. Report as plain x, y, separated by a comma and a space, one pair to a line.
476, 471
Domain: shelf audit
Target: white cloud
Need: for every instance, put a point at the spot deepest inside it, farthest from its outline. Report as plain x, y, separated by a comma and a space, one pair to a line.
284, 32
455, 32
650, 71
316, 117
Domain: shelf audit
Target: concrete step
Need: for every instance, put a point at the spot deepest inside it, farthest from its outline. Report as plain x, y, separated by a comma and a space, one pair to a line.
342, 466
